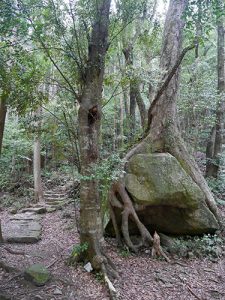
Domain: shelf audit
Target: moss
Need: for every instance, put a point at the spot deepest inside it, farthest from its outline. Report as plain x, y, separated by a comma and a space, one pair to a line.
37, 274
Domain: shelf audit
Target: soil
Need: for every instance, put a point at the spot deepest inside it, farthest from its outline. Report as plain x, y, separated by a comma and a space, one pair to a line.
141, 277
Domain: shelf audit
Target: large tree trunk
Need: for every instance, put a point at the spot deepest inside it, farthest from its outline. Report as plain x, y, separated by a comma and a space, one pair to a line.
162, 134
89, 117
216, 138
3, 111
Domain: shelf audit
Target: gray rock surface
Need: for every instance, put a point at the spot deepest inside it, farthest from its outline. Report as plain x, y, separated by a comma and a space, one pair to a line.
165, 197
172, 201
23, 228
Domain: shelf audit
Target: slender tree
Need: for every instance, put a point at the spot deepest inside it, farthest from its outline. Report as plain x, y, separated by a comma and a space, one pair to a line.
214, 146
3, 111
38, 189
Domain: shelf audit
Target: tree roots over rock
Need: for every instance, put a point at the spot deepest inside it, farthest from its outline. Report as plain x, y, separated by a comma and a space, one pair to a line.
168, 140
121, 199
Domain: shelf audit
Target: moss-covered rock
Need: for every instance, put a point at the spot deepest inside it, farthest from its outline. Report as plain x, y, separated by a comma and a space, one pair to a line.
166, 197
37, 274
159, 179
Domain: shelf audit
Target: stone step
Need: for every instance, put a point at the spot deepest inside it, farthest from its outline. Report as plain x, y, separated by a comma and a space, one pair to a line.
55, 203
51, 195
28, 216
55, 199
38, 210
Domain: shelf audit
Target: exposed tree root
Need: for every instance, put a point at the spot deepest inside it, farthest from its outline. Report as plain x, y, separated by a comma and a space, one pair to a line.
101, 262
8, 268
11, 251
119, 191
157, 249
112, 290
121, 199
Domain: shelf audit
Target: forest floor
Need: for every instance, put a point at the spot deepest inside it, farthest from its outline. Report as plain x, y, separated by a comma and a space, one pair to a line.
141, 277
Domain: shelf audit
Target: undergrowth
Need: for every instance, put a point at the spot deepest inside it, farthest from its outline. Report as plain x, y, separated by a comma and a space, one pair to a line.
199, 246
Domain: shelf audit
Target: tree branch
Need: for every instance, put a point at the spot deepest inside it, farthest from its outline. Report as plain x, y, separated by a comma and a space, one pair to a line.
166, 83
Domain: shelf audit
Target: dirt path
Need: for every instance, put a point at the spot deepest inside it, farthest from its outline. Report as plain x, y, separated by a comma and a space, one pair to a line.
141, 278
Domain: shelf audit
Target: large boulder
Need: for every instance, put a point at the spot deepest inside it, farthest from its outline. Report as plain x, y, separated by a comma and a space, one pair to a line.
165, 196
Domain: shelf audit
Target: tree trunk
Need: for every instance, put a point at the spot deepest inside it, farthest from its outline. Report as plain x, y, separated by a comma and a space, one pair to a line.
38, 189
89, 117
141, 106
135, 94
128, 54
213, 161
3, 111
163, 134
121, 114
210, 153
118, 125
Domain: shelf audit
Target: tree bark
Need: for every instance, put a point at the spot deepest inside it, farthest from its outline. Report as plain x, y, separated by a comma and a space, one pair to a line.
38, 189
3, 111
135, 94
128, 54
213, 161
141, 106
89, 117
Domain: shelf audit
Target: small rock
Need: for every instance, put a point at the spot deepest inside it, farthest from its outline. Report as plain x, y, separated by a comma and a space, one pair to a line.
37, 274
217, 251
57, 291
66, 215
190, 254
51, 209
38, 297
88, 267
13, 211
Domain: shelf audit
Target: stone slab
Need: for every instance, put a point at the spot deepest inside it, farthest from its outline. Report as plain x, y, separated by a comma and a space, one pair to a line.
28, 216
22, 231
37, 210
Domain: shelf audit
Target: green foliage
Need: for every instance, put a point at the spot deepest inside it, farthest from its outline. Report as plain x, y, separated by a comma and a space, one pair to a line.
107, 170
17, 149
76, 252
206, 245
99, 277
217, 185
8, 200
124, 252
